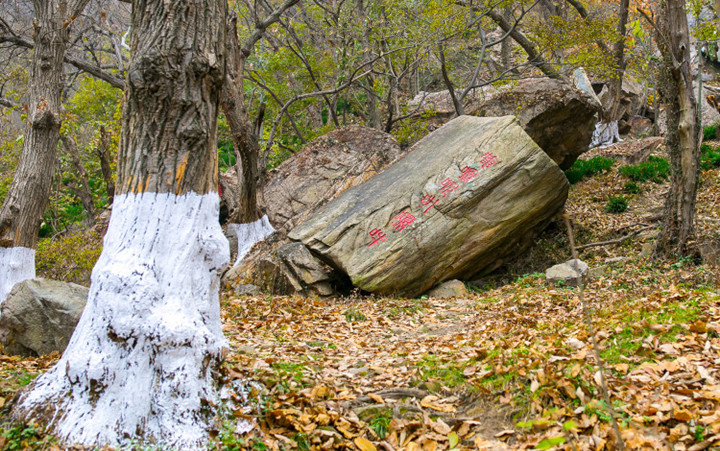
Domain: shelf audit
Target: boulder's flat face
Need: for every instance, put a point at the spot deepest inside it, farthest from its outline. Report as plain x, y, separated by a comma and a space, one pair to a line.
39, 316
465, 197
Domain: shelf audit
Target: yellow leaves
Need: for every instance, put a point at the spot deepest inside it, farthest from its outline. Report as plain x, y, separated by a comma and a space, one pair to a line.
364, 444
376, 398
429, 402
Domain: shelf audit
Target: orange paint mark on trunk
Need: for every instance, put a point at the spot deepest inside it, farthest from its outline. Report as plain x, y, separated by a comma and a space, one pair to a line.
180, 173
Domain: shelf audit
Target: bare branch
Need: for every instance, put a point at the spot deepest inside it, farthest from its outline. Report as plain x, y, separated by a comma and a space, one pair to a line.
6, 103
260, 27
95, 71
532, 52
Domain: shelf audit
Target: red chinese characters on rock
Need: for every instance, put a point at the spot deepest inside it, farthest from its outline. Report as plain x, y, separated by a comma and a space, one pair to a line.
377, 235
447, 186
488, 160
403, 220
429, 202
467, 173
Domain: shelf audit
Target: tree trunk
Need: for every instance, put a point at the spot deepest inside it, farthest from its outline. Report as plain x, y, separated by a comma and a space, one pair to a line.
142, 363
28, 197
83, 187
245, 143
103, 151
373, 114
683, 136
249, 222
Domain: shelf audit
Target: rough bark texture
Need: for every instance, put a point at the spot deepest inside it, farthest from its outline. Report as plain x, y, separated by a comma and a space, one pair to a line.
28, 196
151, 327
682, 137
438, 215
103, 150
82, 188
168, 142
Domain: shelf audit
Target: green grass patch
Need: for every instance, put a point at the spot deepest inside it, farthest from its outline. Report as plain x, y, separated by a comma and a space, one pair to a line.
616, 204
636, 326
354, 315
710, 132
447, 374
709, 157
288, 376
632, 188
587, 168
656, 169
26, 436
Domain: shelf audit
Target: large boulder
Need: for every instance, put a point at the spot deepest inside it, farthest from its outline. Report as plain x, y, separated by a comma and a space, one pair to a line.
325, 168
279, 266
466, 197
40, 315
559, 117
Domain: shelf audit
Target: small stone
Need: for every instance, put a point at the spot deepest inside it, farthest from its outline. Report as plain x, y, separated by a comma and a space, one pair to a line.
574, 343
449, 289
570, 273
248, 290
646, 250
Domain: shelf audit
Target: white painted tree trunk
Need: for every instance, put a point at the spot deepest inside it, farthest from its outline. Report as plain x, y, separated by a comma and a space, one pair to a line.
605, 134
17, 264
250, 233
140, 363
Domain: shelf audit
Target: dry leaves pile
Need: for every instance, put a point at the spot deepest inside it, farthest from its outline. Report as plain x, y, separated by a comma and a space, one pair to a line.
511, 367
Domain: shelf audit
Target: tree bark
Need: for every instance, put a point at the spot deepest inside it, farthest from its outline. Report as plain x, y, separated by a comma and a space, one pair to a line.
103, 150
534, 56
28, 197
373, 114
250, 167
83, 187
142, 364
682, 139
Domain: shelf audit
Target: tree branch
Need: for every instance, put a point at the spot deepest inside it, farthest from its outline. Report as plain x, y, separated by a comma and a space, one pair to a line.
97, 72
260, 27
532, 52
6, 103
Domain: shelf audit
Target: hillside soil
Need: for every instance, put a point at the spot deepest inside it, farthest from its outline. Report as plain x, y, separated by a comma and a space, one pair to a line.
511, 366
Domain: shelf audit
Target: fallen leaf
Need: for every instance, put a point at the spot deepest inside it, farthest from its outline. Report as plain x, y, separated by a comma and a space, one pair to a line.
364, 444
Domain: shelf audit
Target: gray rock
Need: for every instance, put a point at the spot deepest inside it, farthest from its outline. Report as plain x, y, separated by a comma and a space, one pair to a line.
464, 198
559, 117
248, 290
278, 266
569, 273
326, 167
40, 315
449, 289
581, 81
646, 250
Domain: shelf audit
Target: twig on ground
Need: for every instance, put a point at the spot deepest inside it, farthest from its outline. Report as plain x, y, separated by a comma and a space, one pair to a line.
591, 333
616, 240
